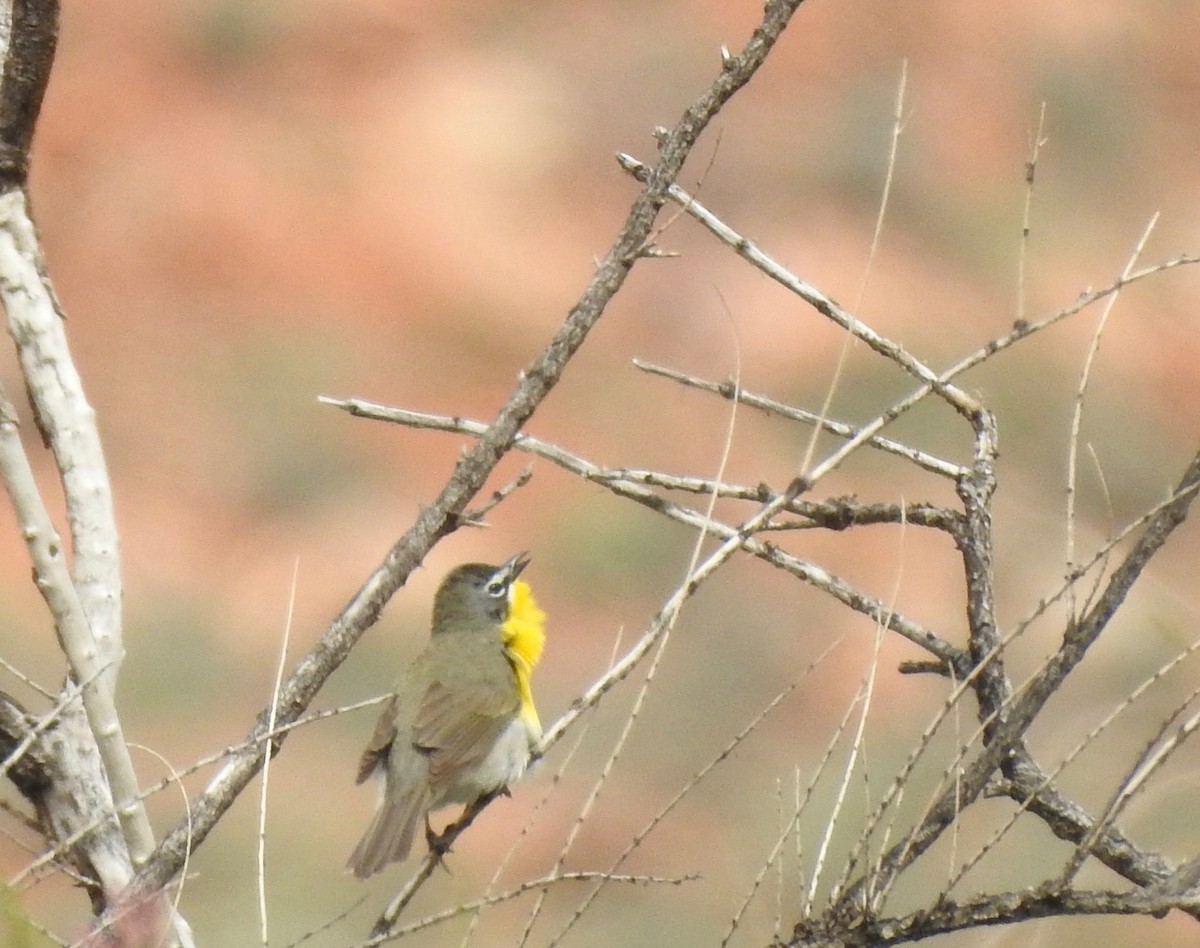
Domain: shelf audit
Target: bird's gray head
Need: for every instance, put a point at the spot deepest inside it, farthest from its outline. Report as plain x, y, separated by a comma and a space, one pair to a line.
477, 591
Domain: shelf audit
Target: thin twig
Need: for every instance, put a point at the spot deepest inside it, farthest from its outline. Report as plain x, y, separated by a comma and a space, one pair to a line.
529, 886
1035, 150
844, 350
863, 701
726, 752
474, 517
922, 459
825, 305
1155, 754
1077, 412
1025, 795
782, 837
261, 866
25, 679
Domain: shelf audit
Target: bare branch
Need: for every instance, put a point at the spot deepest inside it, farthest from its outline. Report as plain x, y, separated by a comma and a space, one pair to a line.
920, 458
838, 514
28, 37
998, 909
56, 587
1003, 744
826, 306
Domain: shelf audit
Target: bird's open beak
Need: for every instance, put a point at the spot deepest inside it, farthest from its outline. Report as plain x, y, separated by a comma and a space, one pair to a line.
514, 564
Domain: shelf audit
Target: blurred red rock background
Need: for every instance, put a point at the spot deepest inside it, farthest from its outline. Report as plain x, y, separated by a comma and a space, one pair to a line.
246, 205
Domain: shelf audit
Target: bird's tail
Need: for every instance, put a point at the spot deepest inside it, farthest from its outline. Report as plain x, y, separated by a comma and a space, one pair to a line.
389, 838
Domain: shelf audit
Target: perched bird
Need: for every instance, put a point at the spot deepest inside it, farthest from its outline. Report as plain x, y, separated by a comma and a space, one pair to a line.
461, 723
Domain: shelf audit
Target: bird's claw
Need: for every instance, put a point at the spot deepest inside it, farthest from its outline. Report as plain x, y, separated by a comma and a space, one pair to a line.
438, 844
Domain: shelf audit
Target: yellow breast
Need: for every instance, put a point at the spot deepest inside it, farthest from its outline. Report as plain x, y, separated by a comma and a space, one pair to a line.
524, 639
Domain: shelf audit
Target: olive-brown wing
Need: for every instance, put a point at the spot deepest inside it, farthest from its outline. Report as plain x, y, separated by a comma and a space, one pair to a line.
457, 727
376, 752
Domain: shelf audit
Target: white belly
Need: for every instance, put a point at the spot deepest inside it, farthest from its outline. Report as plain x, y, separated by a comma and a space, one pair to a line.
503, 765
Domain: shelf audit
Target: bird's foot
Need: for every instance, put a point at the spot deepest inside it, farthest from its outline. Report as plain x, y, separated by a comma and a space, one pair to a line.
439, 843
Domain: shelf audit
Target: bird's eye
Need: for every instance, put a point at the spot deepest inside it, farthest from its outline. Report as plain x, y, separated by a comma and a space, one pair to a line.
496, 588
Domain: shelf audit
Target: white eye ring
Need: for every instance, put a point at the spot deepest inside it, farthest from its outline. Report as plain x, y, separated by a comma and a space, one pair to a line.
496, 588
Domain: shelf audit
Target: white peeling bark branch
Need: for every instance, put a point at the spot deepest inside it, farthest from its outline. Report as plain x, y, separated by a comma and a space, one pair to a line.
85, 607
68, 424
27, 301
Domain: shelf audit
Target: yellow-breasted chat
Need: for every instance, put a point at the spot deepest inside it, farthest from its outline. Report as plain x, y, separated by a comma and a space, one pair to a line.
461, 723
